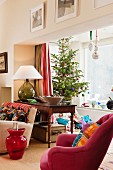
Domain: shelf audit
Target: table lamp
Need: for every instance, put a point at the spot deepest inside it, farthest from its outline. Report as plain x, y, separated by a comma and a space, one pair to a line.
26, 91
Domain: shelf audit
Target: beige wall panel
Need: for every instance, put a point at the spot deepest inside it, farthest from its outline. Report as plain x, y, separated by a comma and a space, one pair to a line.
24, 55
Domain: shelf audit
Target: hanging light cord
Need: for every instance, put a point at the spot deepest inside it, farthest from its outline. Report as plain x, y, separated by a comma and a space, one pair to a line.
96, 37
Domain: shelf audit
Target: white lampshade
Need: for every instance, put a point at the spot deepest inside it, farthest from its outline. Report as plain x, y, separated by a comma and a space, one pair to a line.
27, 72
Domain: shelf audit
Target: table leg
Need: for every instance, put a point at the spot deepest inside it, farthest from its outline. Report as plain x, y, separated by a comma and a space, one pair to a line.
49, 130
72, 122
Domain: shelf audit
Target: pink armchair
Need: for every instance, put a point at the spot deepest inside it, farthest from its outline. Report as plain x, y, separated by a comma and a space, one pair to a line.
88, 157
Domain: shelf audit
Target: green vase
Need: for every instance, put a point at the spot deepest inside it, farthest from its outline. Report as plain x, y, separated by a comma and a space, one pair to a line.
26, 91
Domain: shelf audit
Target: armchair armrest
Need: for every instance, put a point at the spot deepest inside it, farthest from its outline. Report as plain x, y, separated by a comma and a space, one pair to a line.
68, 157
65, 140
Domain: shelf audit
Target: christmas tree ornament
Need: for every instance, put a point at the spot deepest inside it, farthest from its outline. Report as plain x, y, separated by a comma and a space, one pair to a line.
91, 44
95, 54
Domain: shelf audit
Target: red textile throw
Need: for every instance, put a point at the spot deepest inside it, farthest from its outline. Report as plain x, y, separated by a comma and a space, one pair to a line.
24, 107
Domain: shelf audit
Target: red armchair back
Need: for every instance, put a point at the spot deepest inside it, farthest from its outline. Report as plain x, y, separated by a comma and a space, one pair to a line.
88, 157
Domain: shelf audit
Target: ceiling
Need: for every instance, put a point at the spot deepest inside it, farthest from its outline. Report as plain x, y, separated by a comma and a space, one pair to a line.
2, 1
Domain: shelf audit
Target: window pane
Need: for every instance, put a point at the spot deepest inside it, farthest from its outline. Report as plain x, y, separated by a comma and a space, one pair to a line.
99, 72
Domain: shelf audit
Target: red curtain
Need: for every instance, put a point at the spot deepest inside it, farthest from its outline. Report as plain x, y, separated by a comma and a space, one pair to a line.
45, 70
38, 83
50, 77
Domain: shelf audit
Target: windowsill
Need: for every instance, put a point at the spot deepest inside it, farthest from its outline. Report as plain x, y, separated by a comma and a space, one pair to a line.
99, 109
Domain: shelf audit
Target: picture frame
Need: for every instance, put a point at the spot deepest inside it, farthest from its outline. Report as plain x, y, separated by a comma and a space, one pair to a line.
4, 62
65, 9
37, 18
102, 3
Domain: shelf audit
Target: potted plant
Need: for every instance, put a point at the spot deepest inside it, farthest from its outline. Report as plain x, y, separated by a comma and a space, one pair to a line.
67, 79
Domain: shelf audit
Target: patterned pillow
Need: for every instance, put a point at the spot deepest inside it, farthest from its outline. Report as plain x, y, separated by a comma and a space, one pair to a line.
90, 130
76, 140
62, 121
17, 106
19, 115
82, 138
3, 113
2, 116
7, 113
86, 118
21, 111
86, 125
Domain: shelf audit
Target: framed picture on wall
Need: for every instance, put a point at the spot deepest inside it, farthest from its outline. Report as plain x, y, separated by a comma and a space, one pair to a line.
37, 18
66, 9
101, 3
3, 63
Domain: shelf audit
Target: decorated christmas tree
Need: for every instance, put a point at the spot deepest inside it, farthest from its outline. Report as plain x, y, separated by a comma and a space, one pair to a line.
67, 79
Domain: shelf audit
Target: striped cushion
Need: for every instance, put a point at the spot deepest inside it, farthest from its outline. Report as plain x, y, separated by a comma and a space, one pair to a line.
82, 138
14, 111
90, 130
24, 107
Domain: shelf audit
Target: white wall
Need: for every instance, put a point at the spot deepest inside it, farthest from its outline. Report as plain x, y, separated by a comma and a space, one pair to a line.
15, 26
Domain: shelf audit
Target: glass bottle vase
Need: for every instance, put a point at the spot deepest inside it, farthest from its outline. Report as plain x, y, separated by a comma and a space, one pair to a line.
16, 143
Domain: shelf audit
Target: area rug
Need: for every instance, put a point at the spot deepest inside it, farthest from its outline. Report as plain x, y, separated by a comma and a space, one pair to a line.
107, 163
107, 166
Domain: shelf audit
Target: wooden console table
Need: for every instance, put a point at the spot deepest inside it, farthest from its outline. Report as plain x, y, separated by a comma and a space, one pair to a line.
50, 109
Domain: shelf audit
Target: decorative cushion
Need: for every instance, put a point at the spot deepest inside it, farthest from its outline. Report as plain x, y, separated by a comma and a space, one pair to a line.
86, 118
19, 115
78, 137
90, 130
17, 106
14, 112
86, 125
83, 137
62, 121
82, 140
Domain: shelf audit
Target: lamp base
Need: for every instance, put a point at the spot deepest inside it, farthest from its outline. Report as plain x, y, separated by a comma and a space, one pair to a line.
26, 91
